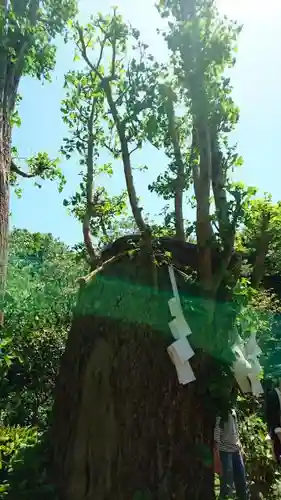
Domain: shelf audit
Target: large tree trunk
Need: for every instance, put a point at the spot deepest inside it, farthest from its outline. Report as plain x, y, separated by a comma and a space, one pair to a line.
5, 160
122, 425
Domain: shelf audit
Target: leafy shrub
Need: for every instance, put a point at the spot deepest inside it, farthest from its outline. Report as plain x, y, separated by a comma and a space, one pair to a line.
28, 376
263, 475
41, 292
22, 465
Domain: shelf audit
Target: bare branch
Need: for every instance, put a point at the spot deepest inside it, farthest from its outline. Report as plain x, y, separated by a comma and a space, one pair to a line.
114, 50
121, 95
134, 149
113, 62
126, 159
86, 279
112, 151
20, 172
83, 50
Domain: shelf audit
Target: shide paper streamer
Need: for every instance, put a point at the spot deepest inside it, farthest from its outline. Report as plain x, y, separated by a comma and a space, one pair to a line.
179, 351
246, 367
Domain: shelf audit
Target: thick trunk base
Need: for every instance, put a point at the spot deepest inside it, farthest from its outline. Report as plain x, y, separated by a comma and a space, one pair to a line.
122, 422
123, 428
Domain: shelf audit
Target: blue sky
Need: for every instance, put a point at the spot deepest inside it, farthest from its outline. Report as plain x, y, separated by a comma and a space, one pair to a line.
257, 83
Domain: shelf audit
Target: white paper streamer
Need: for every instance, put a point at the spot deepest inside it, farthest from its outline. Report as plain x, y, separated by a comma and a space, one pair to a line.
179, 351
183, 350
174, 283
246, 367
252, 349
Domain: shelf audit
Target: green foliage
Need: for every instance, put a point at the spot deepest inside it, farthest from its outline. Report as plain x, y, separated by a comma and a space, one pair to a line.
40, 166
202, 45
263, 475
40, 296
106, 212
12, 441
107, 107
28, 374
23, 473
262, 215
41, 282
27, 32
27, 29
256, 308
259, 313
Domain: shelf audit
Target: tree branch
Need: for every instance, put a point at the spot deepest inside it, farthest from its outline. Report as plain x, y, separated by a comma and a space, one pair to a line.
194, 167
227, 228
219, 190
145, 230
200, 115
111, 150
17, 171
89, 186
113, 60
126, 159
202, 193
180, 180
134, 149
120, 128
83, 50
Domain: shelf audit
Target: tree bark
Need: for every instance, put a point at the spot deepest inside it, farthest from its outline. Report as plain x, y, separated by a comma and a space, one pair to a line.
5, 160
10, 74
180, 179
202, 184
89, 188
202, 173
122, 425
136, 210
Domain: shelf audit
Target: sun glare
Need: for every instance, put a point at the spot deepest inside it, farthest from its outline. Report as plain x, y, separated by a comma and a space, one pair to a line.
243, 10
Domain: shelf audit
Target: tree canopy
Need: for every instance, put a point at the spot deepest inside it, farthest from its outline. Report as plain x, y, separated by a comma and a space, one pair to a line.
27, 32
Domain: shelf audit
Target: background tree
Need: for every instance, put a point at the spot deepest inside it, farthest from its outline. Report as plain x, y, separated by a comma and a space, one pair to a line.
259, 238
41, 292
83, 112
27, 28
